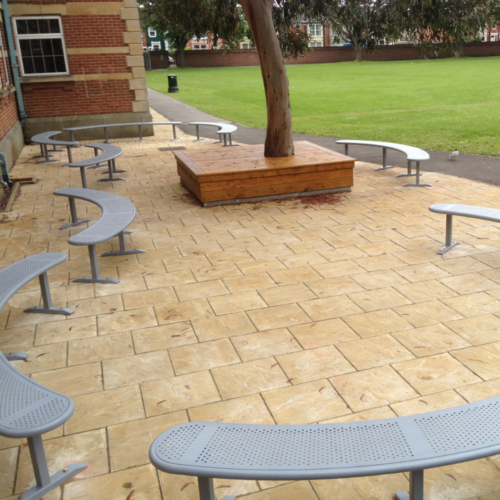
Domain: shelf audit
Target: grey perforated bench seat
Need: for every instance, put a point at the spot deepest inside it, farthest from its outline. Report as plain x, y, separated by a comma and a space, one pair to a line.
109, 153
46, 139
412, 154
224, 131
451, 209
117, 214
28, 410
303, 452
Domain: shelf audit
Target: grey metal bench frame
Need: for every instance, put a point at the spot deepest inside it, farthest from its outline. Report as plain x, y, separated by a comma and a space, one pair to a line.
328, 451
117, 214
44, 139
109, 154
451, 209
28, 410
224, 130
72, 130
412, 154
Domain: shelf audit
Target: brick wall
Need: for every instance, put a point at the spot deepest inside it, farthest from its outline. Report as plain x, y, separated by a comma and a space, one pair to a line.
159, 59
199, 59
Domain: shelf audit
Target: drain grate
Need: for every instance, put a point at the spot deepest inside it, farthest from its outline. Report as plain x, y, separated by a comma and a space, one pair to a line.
177, 148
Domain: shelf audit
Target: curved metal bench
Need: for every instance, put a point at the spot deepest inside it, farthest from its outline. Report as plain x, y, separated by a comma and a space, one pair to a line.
224, 130
109, 153
28, 410
45, 140
328, 451
72, 130
451, 209
117, 214
412, 154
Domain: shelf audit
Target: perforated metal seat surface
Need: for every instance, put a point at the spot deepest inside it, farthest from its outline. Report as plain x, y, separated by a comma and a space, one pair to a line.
27, 408
15, 276
485, 213
282, 452
46, 138
117, 214
224, 128
109, 152
412, 153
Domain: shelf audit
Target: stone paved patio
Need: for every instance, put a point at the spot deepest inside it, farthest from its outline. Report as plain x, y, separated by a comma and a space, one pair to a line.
289, 312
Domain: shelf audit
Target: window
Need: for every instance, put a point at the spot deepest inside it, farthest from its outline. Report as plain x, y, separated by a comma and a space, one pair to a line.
155, 45
316, 44
151, 33
40, 41
316, 30
6, 75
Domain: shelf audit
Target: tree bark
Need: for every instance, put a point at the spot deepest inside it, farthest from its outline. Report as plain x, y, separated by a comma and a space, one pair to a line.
179, 52
279, 138
358, 49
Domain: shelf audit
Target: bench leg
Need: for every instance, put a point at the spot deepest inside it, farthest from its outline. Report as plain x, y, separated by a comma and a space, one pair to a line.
47, 307
449, 236
175, 134
42, 153
45, 482
408, 174
123, 250
74, 218
346, 149
416, 487
417, 184
115, 170
198, 134
46, 155
384, 161
206, 488
84, 179
95, 271
111, 171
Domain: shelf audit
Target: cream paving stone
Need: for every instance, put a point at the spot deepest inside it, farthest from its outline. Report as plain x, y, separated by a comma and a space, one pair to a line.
217, 327
225, 257
469, 283
126, 320
183, 263
100, 409
72, 381
379, 279
18, 318
294, 275
17, 338
344, 253
249, 378
337, 269
307, 246
182, 311
129, 443
202, 290
431, 402
278, 317
423, 291
146, 298
334, 286
314, 364
94, 306
478, 330
305, 403
100, 348
8, 464
377, 323
246, 410
323, 333
169, 279
236, 302
198, 357
142, 481
127, 285
287, 294
131, 370
362, 416
331, 307
462, 265
43, 358
260, 266
301, 259
422, 272
428, 313
478, 392
379, 262
431, 340
374, 351
475, 304
435, 373
162, 337
87, 447
217, 272
248, 283
371, 388
71, 329
376, 300
482, 360
179, 393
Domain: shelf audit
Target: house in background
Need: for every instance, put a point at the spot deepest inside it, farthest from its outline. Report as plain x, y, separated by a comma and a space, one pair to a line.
80, 63
491, 34
154, 40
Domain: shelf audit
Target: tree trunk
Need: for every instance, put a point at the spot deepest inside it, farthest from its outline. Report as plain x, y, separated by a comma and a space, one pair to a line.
180, 60
358, 49
279, 139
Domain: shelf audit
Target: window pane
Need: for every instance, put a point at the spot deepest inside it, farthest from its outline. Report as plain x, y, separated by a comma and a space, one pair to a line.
39, 66
57, 47
43, 26
47, 47
60, 64
32, 26
22, 26
25, 48
54, 26
28, 65
50, 65
36, 47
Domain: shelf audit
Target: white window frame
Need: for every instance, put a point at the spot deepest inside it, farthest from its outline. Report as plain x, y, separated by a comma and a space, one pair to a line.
155, 45
151, 33
5, 68
313, 28
38, 37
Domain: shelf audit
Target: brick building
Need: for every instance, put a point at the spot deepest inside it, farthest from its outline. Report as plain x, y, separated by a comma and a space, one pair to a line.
80, 63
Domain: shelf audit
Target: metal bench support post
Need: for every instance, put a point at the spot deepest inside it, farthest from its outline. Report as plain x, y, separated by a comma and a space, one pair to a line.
417, 183
112, 170
346, 149
197, 134
84, 179
123, 250
175, 134
408, 173
74, 216
417, 485
70, 156
384, 161
206, 488
47, 307
94, 266
106, 140
449, 236
44, 481
46, 155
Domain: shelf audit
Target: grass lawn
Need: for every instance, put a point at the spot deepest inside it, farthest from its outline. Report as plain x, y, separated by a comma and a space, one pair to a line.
442, 104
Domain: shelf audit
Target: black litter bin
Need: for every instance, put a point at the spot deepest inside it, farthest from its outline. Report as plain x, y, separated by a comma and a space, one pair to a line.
172, 83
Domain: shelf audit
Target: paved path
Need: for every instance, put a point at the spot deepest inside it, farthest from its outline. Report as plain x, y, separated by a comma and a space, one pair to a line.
475, 167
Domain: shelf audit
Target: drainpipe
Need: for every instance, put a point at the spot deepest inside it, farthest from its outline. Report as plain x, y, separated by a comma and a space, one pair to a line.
14, 65
6, 182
